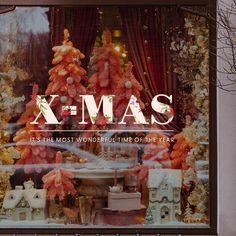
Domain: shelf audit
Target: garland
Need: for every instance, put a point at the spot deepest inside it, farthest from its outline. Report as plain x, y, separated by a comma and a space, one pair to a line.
193, 53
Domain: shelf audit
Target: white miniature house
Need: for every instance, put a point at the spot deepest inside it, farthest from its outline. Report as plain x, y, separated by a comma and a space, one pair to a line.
164, 195
25, 203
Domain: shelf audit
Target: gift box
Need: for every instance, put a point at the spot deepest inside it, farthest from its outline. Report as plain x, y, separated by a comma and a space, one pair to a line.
124, 201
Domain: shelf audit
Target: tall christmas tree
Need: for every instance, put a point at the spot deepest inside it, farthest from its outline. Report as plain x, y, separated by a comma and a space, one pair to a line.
111, 78
66, 78
127, 87
107, 64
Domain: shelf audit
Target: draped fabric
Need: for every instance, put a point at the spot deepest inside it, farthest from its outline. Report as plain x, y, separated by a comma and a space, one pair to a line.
80, 21
144, 35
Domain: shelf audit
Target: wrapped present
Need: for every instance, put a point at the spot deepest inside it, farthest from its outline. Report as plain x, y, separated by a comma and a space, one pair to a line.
124, 201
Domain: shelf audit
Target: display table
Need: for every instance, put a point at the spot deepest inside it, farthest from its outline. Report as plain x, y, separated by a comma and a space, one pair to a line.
95, 183
120, 218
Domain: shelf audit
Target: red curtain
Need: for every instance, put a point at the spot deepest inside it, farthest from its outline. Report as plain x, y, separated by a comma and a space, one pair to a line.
81, 23
145, 39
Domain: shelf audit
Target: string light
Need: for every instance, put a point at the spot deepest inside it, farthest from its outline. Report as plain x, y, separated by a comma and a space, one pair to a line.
117, 48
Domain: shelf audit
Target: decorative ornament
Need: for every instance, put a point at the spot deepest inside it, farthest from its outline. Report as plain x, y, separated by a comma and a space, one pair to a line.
69, 80
63, 99
106, 66
128, 84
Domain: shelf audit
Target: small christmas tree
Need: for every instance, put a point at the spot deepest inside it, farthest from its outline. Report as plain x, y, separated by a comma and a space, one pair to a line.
149, 217
66, 77
58, 181
188, 215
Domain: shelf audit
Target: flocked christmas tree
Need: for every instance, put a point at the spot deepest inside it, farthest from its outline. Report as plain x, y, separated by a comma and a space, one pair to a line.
30, 153
180, 152
58, 181
66, 79
107, 64
127, 87
111, 78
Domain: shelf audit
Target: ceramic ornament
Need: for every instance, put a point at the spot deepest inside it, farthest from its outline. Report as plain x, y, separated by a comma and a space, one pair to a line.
70, 80
63, 99
164, 195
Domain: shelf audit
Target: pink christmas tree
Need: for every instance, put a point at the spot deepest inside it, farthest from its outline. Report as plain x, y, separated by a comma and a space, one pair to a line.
58, 181
30, 152
66, 78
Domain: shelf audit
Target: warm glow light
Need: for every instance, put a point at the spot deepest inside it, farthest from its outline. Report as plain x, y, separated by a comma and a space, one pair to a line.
117, 33
117, 48
123, 55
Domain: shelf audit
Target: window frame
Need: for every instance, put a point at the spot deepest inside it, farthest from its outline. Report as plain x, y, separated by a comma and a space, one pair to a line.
212, 229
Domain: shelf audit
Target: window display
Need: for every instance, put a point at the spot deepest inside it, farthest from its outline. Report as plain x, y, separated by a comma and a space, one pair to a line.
105, 118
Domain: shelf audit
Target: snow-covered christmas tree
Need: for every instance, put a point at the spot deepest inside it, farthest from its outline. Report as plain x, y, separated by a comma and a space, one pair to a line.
149, 217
